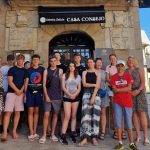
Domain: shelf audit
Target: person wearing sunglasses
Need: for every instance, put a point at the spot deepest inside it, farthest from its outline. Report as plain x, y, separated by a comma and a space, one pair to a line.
121, 84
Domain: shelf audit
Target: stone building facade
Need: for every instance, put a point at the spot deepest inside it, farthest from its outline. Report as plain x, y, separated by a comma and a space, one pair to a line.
20, 30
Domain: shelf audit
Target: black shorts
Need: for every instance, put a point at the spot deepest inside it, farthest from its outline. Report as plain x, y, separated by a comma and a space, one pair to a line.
70, 100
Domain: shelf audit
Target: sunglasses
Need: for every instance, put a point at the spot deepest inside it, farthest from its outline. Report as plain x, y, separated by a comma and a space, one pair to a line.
121, 79
120, 65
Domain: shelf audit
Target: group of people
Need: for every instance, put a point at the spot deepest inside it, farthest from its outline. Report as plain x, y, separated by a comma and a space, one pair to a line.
72, 91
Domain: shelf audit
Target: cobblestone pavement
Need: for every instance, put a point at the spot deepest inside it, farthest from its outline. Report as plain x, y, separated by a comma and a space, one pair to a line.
23, 144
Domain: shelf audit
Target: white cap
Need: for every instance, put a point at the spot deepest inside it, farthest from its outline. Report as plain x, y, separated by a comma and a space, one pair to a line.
121, 62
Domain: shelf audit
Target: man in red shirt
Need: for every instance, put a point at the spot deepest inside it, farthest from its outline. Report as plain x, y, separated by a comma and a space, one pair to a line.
121, 83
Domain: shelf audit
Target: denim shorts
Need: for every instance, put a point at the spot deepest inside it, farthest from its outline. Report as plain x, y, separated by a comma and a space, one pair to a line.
119, 113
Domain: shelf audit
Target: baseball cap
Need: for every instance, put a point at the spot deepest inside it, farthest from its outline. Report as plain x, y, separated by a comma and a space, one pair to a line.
121, 62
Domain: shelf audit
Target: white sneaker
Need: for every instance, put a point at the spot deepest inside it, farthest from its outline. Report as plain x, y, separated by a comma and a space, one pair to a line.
31, 138
146, 142
36, 136
42, 140
54, 138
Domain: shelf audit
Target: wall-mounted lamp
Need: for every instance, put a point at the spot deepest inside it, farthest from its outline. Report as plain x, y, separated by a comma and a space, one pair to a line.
102, 25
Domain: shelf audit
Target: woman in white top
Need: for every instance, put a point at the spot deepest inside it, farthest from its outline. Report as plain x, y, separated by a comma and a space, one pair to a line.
71, 85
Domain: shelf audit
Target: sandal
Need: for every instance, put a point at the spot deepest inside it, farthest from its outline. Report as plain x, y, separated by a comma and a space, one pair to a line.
102, 136
137, 140
42, 140
124, 137
31, 138
146, 142
3, 138
115, 136
36, 136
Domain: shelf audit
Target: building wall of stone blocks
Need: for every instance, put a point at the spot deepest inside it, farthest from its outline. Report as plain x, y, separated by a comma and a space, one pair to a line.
19, 29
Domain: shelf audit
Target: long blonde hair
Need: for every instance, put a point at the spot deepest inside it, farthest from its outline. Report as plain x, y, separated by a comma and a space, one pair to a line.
134, 59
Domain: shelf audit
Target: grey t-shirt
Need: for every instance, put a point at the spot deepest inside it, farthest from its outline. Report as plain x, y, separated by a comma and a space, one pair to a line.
71, 84
4, 70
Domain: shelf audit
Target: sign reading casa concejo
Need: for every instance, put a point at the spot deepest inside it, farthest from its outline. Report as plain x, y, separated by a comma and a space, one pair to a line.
71, 15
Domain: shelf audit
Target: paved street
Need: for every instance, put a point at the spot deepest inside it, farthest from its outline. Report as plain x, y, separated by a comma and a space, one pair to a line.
23, 144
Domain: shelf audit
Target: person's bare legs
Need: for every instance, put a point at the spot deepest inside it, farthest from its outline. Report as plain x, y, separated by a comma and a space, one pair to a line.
62, 115
103, 119
16, 121
119, 133
30, 119
49, 126
0, 118
36, 117
67, 112
136, 125
45, 123
144, 124
74, 108
54, 123
6, 124
130, 134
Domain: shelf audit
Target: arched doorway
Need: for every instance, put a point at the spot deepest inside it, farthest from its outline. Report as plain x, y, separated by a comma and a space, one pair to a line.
69, 43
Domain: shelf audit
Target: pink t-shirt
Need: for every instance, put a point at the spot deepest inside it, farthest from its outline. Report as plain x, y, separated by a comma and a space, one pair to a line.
112, 70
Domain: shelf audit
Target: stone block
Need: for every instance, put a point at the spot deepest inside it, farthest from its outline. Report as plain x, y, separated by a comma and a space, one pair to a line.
116, 32
83, 27
99, 35
122, 54
71, 27
107, 38
92, 29
131, 38
23, 39
43, 36
60, 28
11, 18
99, 44
7, 34
121, 18
120, 43
109, 19
22, 18
33, 19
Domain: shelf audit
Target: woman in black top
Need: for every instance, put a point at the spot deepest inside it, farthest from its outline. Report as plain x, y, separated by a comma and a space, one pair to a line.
90, 104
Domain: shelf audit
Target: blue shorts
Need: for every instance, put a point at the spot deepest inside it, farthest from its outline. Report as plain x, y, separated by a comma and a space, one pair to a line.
119, 113
34, 100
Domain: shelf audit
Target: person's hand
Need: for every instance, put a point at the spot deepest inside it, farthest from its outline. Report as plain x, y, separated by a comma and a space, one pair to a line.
72, 96
135, 92
25, 98
47, 99
92, 100
19, 92
115, 90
